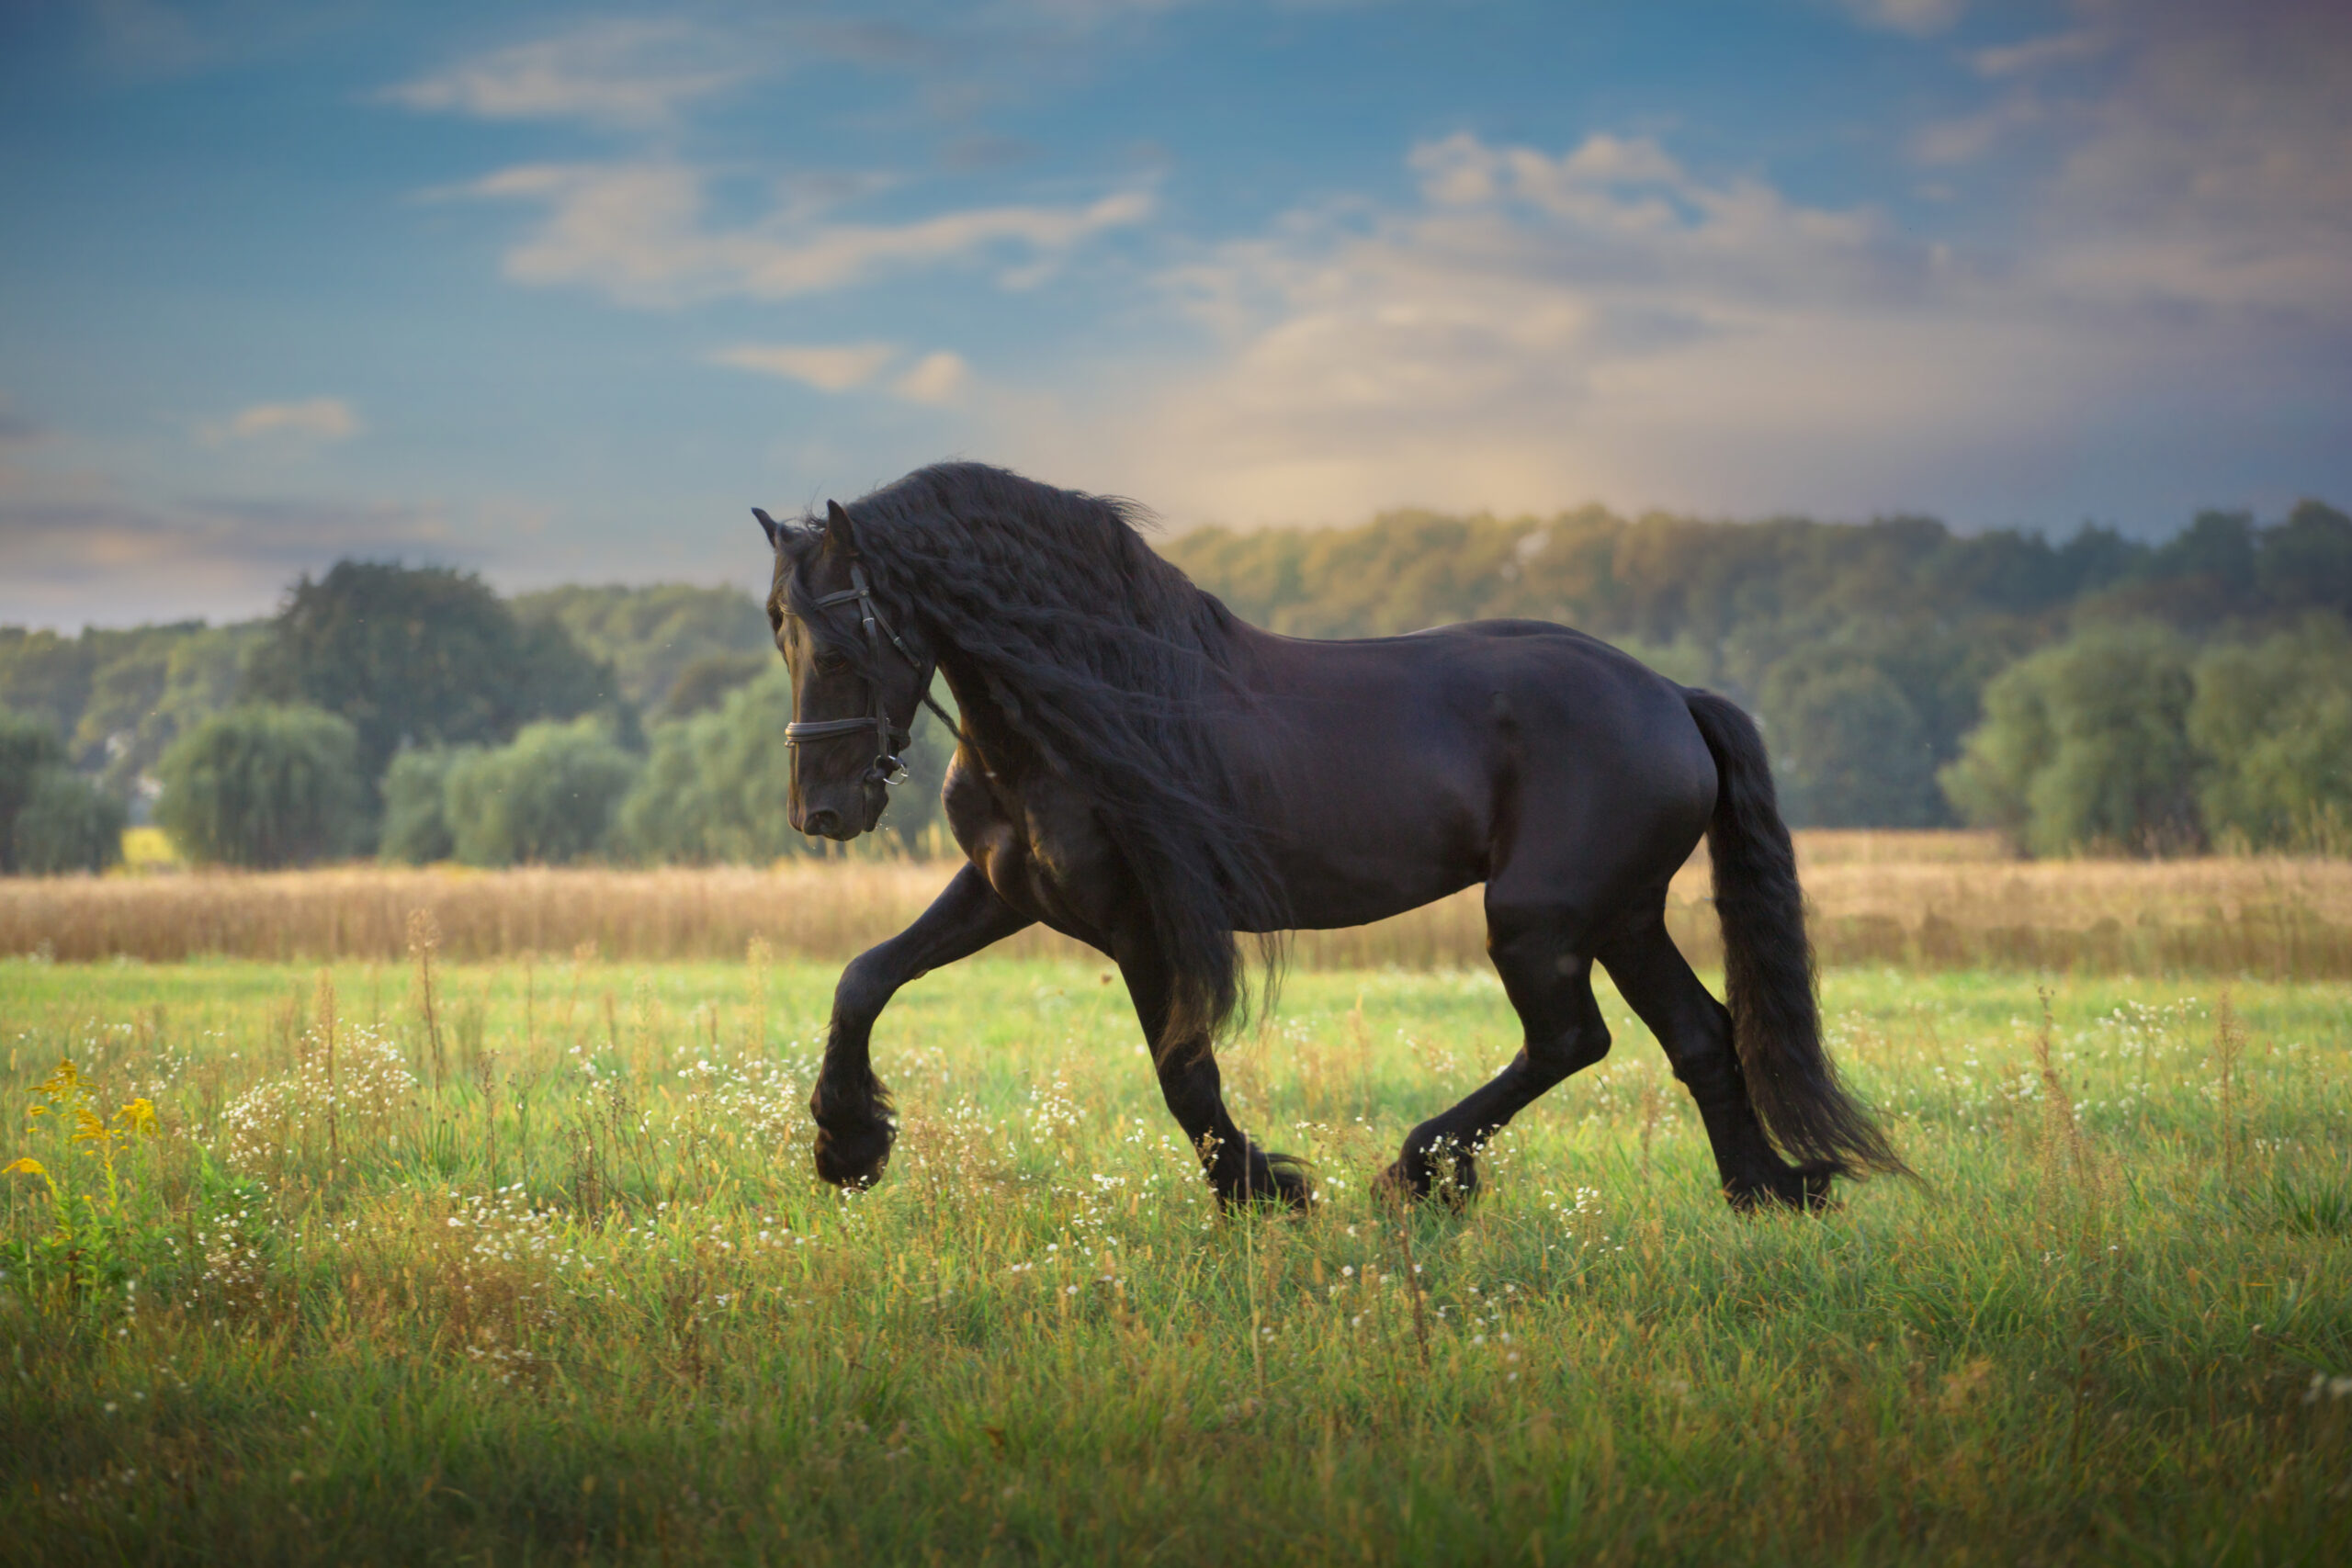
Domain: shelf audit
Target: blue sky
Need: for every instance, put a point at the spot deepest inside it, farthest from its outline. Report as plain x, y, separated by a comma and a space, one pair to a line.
558, 292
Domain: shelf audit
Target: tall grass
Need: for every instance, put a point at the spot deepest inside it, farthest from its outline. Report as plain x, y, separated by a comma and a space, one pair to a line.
570, 1292
1919, 900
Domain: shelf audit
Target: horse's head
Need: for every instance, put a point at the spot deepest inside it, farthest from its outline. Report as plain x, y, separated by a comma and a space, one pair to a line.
857, 676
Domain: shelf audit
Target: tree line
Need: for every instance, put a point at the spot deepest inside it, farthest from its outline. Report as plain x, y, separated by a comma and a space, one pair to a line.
413, 714
2091, 694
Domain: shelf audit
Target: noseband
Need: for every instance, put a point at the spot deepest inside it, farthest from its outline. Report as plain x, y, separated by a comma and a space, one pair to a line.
888, 741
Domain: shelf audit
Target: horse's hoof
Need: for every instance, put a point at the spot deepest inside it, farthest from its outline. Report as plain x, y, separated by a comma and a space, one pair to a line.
1803, 1188
1461, 1185
1414, 1178
1290, 1184
854, 1157
1280, 1179
1406, 1181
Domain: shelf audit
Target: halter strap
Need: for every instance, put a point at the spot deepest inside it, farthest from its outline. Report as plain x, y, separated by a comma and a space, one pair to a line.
888, 739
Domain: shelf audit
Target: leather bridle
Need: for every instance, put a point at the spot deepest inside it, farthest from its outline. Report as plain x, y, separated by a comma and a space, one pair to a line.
888, 739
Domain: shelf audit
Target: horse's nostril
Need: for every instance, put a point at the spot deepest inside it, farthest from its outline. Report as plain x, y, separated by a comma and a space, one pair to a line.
823, 824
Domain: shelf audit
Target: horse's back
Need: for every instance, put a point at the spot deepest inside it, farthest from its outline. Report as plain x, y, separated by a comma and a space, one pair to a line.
1404, 768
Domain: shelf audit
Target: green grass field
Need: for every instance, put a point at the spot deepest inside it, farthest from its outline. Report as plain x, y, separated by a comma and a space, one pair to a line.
569, 1291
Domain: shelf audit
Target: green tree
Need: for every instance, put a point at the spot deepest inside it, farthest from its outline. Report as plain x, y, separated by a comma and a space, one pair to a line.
650, 635
417, 815
51, 820
547, 798
68, 824
1848, 747
30, 752
2306, 561
46, 675
144, 697
2274, 721
703, 683
2085, 747
420, 656
263, 786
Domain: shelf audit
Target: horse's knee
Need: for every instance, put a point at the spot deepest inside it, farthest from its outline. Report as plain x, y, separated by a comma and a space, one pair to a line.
867, 985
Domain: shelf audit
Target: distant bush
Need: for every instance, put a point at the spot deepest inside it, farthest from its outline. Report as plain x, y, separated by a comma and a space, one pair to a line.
417, 815
547, 798
263, 786
51, 818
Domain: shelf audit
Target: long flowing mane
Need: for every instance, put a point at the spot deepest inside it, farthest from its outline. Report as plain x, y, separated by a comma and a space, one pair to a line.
1108, 661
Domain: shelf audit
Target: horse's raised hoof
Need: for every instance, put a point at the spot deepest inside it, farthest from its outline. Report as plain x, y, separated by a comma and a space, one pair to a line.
853, 1156
1803, 1188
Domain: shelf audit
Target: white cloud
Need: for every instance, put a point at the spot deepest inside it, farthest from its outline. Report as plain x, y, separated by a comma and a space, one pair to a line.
829, 368
2217, 171
72, 552
1603, 323
1545, 328
1964, 139
627, 74
2042, 53
312, 419
637, 234
936, 379
1920, 18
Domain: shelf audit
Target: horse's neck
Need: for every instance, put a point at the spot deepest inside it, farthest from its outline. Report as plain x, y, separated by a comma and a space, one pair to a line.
986, 730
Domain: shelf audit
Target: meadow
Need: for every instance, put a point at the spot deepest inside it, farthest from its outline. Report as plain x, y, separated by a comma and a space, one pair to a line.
398, 1257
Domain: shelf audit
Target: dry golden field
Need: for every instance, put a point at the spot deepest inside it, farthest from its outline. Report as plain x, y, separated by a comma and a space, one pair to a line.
1913, 899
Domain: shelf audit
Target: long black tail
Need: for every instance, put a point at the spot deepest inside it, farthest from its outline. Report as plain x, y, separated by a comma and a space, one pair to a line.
1767, 962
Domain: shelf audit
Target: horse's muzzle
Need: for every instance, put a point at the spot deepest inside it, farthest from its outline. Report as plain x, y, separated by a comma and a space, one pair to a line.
860, 813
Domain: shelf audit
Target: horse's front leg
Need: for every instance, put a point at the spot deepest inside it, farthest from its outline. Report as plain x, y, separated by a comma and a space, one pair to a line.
852, 1113
1236, 1167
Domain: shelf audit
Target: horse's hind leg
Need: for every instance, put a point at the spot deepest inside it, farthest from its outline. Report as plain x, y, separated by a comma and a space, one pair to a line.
1651, 973
1541, 953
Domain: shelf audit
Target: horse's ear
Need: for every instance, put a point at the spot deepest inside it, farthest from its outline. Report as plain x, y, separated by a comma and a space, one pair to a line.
839, 535
771, 528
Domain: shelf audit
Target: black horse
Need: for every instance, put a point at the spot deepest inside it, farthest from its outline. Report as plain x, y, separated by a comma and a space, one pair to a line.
1139, 770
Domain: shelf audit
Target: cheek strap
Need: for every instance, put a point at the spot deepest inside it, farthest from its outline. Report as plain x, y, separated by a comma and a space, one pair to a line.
888, 741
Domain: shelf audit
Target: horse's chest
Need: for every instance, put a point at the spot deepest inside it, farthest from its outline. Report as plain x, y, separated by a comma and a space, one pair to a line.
1039, 845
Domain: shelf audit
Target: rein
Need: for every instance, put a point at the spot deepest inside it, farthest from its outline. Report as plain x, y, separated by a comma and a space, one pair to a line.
888, 741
